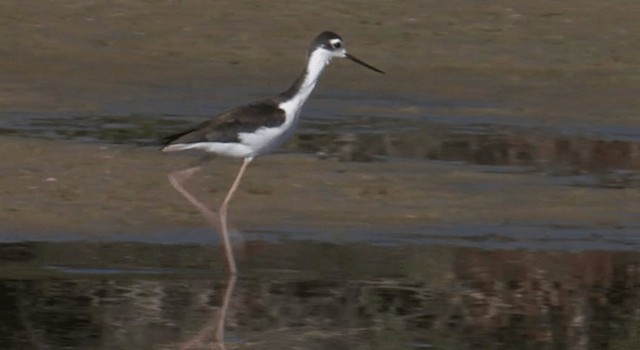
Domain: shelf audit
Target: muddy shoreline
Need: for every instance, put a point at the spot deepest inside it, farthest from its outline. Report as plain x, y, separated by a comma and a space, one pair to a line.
66, 187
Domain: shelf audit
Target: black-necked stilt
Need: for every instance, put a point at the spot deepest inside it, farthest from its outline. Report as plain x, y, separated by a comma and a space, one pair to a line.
254, 129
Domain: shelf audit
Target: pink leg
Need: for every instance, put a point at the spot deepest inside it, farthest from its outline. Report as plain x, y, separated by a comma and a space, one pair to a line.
222, 312
217, 324
177, 178
234, 187
223, 213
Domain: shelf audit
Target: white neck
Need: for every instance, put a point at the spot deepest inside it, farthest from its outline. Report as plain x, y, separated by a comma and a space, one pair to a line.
318, 60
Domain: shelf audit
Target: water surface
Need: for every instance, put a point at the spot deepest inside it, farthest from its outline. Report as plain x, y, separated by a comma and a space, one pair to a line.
311, 293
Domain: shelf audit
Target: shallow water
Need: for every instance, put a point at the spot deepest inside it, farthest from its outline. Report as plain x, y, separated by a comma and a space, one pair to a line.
297, 291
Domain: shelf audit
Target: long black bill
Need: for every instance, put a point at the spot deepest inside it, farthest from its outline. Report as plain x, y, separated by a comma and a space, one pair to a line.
364, 64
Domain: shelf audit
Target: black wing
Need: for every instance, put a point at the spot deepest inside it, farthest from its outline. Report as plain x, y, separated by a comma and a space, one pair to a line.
226, 126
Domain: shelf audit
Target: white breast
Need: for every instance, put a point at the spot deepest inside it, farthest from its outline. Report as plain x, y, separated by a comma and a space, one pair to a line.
265, 140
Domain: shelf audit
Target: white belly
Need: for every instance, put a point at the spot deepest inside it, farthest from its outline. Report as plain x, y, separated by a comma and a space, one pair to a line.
261, 141
265, 140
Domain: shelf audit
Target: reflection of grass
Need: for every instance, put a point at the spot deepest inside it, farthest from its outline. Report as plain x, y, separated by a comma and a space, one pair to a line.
305, 293
32, 270
95, 256
390, 339
4, 131
628, 337
513, 149
620, 330
110, 129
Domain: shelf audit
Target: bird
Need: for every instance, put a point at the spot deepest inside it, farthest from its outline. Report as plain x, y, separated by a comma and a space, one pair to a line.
257, 128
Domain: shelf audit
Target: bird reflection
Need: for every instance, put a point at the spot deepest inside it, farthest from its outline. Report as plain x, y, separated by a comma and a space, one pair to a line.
211, 336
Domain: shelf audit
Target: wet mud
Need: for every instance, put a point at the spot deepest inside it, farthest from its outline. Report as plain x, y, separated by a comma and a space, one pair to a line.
485, 193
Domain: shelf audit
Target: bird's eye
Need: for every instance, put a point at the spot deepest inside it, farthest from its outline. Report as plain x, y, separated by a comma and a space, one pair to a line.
337, 45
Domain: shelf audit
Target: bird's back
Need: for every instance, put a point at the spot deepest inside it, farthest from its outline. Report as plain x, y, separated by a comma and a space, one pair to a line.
228, 126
